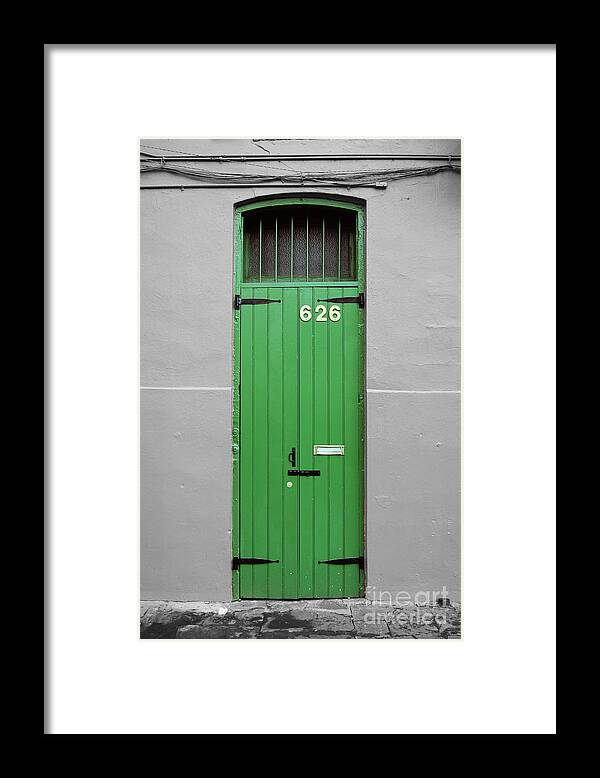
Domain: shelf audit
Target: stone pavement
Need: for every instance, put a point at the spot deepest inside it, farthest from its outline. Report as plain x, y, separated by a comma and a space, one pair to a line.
348, 618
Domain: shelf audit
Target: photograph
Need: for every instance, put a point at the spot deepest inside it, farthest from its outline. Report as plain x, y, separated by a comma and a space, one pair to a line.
300, 340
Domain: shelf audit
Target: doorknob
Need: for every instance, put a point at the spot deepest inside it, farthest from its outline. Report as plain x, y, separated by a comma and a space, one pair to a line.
292, 457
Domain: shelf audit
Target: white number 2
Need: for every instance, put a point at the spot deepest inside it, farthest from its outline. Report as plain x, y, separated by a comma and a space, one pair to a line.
322, 311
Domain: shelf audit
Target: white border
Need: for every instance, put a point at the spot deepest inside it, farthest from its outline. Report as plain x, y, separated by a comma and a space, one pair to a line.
500, 677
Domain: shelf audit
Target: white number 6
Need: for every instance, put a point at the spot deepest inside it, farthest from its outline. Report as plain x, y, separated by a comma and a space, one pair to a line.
334, 313
306, 313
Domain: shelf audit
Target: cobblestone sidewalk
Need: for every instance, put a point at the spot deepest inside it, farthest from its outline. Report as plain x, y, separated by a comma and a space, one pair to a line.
351, 618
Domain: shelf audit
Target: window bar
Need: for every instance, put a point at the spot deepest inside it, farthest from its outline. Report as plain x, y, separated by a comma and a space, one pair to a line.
260, 251
352, 250
339, 249
323, 254
291, 248
276, 258
307, 247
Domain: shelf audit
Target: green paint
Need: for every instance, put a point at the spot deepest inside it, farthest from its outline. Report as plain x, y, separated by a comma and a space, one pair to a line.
300, 201
299, 384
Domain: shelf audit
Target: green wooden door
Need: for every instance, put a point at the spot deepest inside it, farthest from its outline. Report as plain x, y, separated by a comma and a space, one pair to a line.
298, 486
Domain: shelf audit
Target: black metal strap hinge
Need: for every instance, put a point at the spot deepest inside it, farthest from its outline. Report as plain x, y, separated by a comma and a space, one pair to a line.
304, 472
349, 560
250, 560
238, 301
360, 300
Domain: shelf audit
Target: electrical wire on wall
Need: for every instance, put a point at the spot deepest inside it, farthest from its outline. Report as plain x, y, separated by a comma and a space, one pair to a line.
330, 178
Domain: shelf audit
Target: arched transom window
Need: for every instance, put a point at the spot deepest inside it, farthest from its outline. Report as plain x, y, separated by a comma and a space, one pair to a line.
292, 243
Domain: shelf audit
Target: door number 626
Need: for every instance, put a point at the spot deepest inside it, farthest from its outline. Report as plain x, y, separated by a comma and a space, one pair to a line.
320, 313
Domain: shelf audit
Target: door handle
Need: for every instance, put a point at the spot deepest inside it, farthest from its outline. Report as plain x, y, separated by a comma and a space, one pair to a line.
292, 457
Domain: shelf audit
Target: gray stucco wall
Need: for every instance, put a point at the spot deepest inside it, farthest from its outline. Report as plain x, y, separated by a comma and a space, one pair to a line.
413, 369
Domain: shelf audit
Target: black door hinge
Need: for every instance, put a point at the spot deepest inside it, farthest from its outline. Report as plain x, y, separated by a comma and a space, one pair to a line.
304, 472
349, 560
360, 300
238, 302
250, 560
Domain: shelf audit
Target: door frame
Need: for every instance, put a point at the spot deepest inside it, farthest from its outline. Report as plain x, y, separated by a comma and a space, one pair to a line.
273, 202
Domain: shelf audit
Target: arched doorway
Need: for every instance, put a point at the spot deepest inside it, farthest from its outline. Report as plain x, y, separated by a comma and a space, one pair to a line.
299, 400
